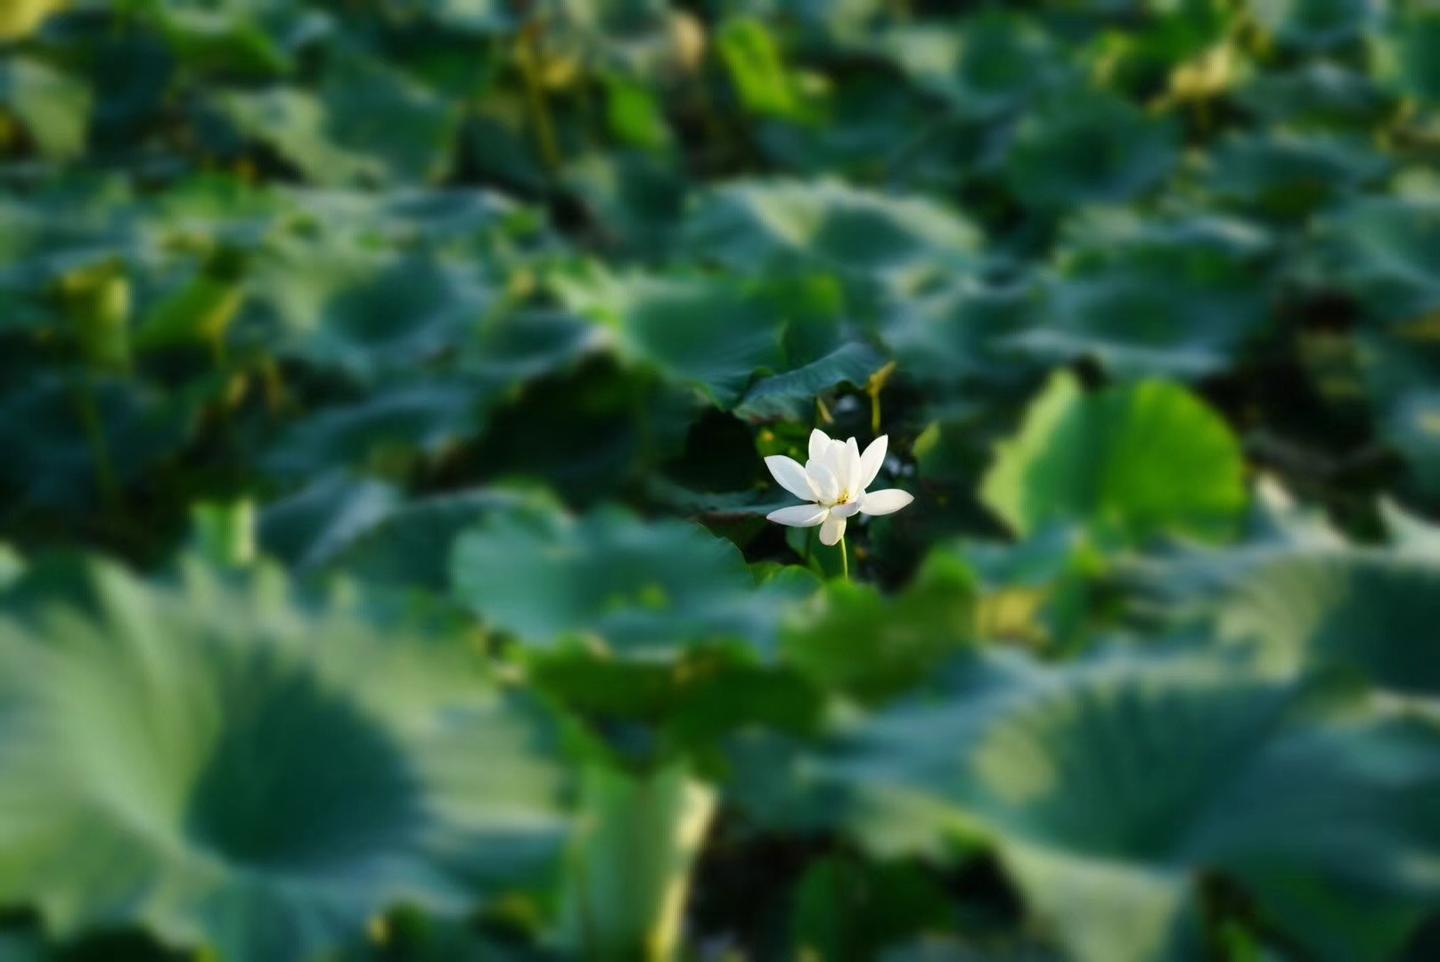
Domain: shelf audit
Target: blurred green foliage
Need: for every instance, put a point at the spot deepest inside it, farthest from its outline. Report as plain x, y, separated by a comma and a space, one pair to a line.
384, 393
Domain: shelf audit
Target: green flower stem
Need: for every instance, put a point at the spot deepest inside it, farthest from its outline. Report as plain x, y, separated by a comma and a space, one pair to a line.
529, 59
844, 560
99, 446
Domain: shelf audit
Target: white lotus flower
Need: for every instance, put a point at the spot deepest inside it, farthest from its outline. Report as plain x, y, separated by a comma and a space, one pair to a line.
833, 481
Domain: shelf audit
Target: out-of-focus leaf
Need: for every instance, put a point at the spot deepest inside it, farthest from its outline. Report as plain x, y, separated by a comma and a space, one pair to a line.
223, 532
1037, 592
364, 312
1385, 252
228, 41
850, 639
21, 17
479, 16
989, 64
963, 333
1409, 534
1175, 300
789, 395
1087, 148
1314, 24
66, 439
1409, 53
641, 587
758, 224
637, 195
1362, 610
368, 124
316, 523
199, 311
1105, 829
97, 300
709, 332
846, 909
166, 729
633, 858
1399, 367
757, 69
634, 115
1131, 462
390, 426
1321, 93
365, 529
53, 106
1291, 175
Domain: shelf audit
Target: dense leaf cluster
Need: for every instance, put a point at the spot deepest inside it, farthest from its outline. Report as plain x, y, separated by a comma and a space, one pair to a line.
385, 387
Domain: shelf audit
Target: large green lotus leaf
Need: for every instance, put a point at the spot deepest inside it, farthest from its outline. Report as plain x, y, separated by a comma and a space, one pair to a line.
1314, 24
1174, 300
210, 212
591, 452
962, 333
988, 64
849, 639
359, 310
367, 124
64, 229
68, 437
411, 543
709, 332
367, 529
315, 524
1408, 54
875, 129
760, 224
649, 711
1365, 610
1318, 93
293, 122
406, 217
253, 41
393, 425
1088, 147
1041, 591
1290, 175
1401, 368
638, 196
789, 395
1108, 788
53, 106
516, 346
644, 588
1131, 462
226, 769
1413, 426
1385, 252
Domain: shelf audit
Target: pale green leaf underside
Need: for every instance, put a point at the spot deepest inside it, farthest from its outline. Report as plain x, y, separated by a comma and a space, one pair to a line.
1108, 786
225, 770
